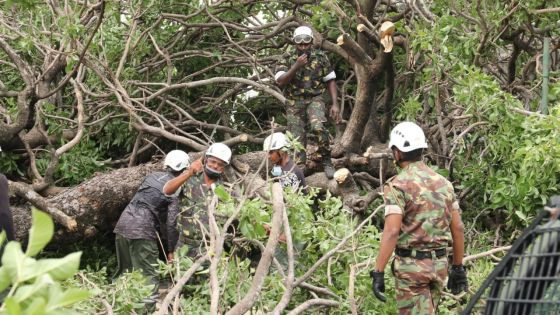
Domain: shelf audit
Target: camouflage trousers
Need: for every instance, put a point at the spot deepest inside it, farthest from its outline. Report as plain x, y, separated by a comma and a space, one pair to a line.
419, 283
308, 115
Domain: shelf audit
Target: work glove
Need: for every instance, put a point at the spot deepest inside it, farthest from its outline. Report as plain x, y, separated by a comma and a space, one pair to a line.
378, 284
457, 279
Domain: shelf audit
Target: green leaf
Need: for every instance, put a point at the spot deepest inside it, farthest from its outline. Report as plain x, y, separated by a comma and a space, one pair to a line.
13, 260
57, 268
27, 291
58, 299
221, 192
2, 237
37, 307
12, 307
41, 232
62, 268
4, 279
521, 215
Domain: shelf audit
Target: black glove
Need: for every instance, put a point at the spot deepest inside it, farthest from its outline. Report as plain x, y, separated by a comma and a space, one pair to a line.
378, 284
457, 279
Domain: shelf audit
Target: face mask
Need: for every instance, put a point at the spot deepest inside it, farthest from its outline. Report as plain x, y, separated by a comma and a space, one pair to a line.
212, 174
276, 171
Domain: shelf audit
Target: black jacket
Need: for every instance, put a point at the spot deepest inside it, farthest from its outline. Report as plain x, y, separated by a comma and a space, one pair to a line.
147, 213
6, 219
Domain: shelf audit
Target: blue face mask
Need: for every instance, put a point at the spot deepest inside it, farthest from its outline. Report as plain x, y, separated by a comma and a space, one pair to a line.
212, 174
276, 171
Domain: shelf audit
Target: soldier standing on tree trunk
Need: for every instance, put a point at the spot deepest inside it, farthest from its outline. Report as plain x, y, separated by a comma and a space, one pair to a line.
304, 74
422, 218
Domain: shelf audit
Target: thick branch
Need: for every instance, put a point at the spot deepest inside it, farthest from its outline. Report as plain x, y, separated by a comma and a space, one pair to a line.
353, 49
264, 264
26, 192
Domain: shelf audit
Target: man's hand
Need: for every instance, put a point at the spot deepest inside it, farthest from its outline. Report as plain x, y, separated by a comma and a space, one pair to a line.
267, 228
335, 113
196, 166
170, 257
378, 285
457, 282
301, 61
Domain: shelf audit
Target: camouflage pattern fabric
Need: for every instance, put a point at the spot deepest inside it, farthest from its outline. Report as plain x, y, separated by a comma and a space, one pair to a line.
304, 113
419, 284
425, 199
306, 108
193, 218
308, 81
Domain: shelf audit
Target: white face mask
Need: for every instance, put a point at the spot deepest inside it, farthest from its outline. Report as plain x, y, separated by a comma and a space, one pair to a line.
276, 170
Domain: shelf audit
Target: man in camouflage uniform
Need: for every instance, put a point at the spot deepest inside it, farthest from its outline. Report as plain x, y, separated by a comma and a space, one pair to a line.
303, 74
196, 186
422, 218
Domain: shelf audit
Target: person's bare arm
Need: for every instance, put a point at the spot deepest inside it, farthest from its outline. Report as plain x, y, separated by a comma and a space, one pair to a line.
391, 231
172, 185
335, 109
457, 233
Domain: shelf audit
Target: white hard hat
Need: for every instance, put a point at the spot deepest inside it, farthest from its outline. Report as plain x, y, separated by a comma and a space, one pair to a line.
275, 141
177, 160
303, 30
407, 136
220, 151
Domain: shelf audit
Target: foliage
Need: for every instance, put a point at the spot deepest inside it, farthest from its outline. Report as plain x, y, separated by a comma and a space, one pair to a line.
512, 160
123, 295
35, 285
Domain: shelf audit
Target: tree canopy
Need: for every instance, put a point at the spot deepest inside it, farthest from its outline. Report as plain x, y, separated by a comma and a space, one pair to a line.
92, 92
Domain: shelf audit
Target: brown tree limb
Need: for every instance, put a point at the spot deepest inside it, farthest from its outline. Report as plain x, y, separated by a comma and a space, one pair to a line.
264, 264
26, 192
356, 53
176, 290
289, 280
331, 252
81, 57
486, 253
313, 302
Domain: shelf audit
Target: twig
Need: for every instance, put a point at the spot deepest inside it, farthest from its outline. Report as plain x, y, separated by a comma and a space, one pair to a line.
309, 303
179, 285
486, 253
337, 247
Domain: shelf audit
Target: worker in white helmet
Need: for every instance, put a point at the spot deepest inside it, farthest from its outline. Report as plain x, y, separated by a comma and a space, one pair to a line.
304, 75
283, 168
197, 185
148, 217
422, 220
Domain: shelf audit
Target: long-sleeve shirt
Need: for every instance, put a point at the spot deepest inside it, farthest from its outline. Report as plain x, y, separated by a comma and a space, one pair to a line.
150, 211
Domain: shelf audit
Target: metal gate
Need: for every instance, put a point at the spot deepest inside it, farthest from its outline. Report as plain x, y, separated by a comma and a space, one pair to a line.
527, 280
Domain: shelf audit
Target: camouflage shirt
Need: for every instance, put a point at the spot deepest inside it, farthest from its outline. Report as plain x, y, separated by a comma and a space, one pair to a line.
309, 81
425, 199
193, 218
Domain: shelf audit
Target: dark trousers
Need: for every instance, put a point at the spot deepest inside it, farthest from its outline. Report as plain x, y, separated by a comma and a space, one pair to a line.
138, 255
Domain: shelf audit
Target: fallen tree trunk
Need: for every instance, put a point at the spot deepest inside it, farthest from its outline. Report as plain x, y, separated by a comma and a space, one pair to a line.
94, 206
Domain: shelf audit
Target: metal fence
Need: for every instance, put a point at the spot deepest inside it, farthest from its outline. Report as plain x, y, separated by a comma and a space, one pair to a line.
527, 280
